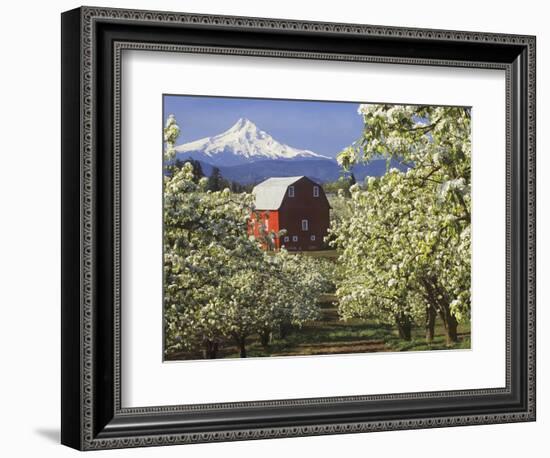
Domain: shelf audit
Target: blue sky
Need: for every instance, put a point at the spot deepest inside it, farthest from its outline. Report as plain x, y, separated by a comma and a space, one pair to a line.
323, 127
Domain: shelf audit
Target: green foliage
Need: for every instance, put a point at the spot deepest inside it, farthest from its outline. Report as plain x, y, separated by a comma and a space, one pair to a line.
341, 186
216, 181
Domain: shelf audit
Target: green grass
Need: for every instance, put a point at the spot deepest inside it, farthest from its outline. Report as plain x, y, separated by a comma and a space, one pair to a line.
330, 335
333, 336
326, 254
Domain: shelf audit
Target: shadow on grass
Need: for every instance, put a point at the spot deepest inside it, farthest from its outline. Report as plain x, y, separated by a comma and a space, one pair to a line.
330, 335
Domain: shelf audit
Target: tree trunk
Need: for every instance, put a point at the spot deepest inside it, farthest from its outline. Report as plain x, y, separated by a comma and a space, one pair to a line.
210, 350
404, 326
430, 323
242, 346
452, 334
451, 325
438, 299
265, 337
284, 329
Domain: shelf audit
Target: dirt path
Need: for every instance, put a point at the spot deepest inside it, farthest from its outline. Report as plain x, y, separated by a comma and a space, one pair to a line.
323, 348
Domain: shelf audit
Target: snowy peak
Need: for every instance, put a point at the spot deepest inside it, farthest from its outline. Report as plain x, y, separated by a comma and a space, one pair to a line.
243, 125
241, 143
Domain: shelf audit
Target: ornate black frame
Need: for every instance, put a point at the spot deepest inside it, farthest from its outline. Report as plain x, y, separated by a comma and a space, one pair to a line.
92, 42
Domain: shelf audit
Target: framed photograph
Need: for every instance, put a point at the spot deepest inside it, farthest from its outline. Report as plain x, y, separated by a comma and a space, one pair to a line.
276, 228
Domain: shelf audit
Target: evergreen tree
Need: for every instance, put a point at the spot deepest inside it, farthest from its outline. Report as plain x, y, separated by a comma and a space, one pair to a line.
216, 181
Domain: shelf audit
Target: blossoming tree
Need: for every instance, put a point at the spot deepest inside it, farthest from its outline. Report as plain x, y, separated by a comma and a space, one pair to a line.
405, 243
219, 285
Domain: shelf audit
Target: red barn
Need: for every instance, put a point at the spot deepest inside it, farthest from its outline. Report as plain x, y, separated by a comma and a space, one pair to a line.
296, 204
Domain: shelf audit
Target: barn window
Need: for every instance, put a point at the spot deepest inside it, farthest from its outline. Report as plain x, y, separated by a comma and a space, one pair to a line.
286, 238
291, 191
305, 225
312, 238
294, 238
315, 191
266, 225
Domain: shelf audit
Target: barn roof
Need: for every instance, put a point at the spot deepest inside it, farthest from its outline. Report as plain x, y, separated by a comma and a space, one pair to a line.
269, 194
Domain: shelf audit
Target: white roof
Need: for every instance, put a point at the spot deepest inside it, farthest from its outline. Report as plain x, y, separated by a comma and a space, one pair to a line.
269, 194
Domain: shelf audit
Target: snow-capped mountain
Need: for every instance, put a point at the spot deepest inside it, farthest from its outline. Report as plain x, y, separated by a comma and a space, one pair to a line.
243, 143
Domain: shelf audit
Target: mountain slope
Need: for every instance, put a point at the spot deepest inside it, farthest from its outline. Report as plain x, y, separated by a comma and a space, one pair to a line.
320, 170
242, 143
